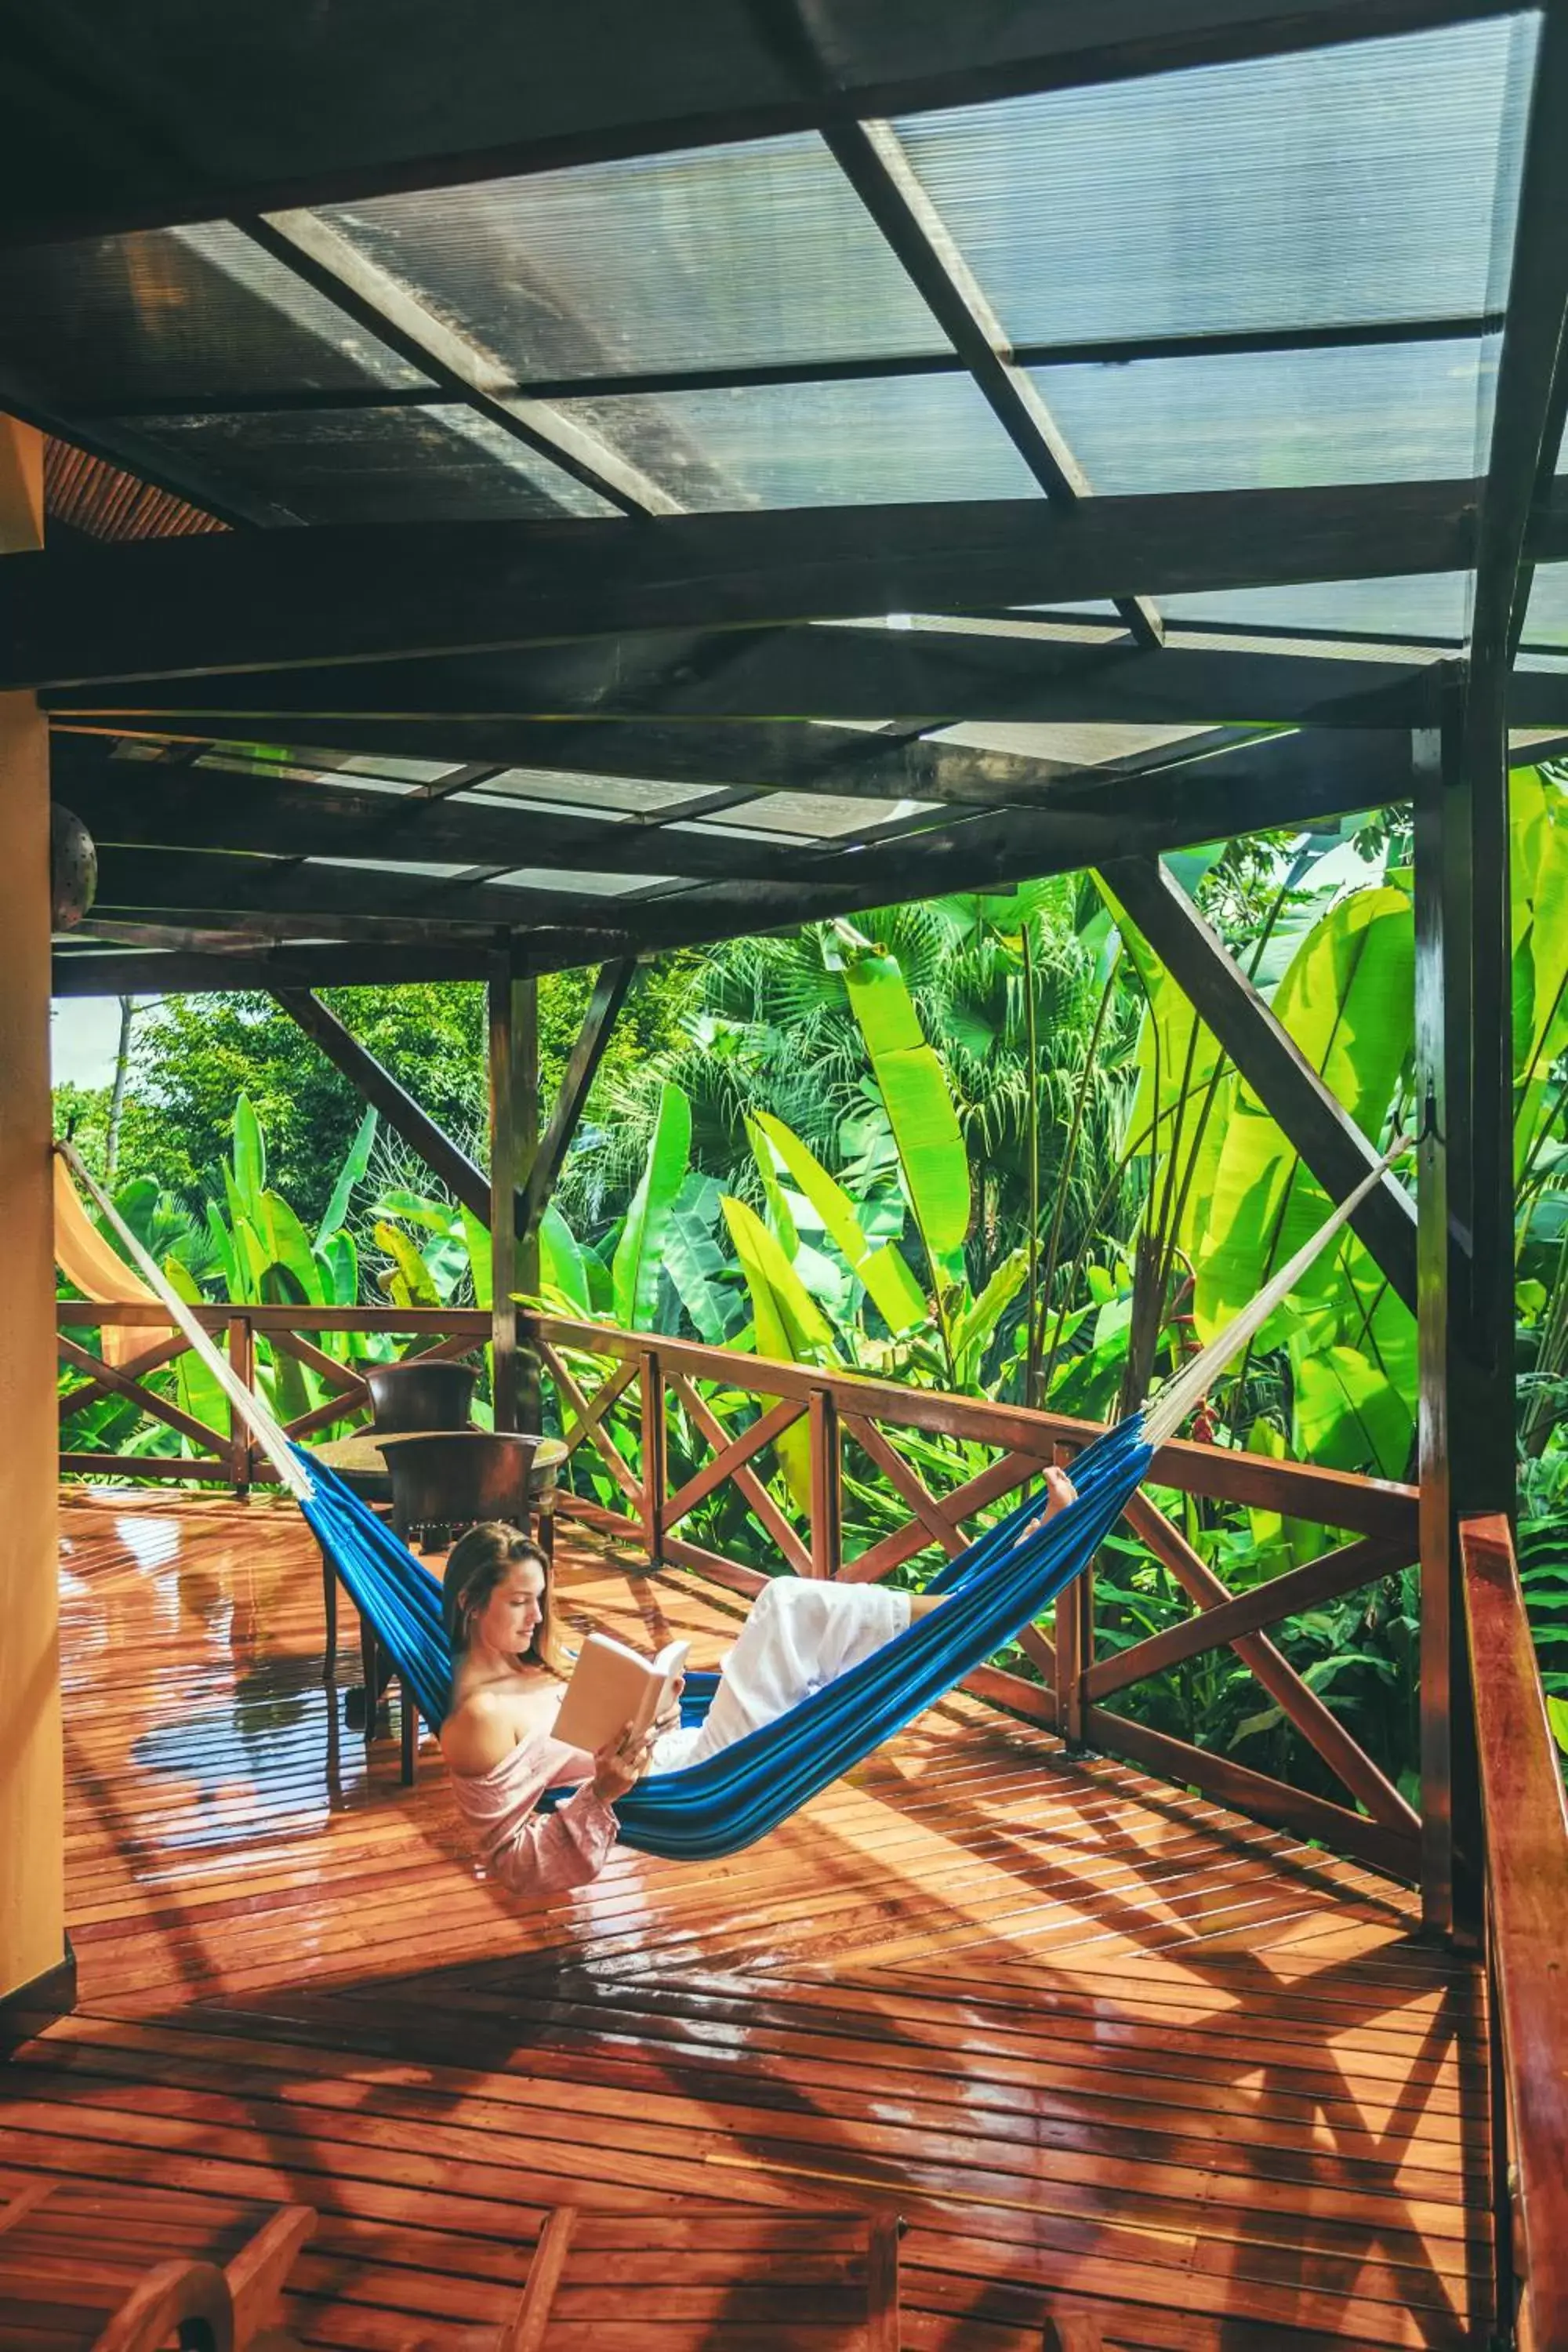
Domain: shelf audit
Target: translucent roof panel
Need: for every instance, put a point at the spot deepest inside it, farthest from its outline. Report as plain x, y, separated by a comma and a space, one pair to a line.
1091, 744
441, 464
1546, 622
1429, 605
809, 816
593, 795
589, 886
926, 437
188, 314
1356, 182
723, 257
1256, 420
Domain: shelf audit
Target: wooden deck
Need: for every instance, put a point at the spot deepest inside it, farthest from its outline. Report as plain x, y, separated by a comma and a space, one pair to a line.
1105, 2047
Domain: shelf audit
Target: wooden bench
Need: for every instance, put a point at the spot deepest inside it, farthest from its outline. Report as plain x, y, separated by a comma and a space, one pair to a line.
127, 2270
604, 2282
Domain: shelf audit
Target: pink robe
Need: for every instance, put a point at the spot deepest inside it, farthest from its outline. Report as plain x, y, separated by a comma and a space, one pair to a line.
529, 1852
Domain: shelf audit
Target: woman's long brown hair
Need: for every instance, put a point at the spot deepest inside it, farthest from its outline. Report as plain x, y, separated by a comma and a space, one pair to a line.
474, 1566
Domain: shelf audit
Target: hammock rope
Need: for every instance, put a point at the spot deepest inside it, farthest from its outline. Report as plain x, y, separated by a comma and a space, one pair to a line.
999, 1585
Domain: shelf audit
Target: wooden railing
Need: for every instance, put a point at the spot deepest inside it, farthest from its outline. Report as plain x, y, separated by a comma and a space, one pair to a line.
228, 1456
1525, 1827
648, 1388
605, 1379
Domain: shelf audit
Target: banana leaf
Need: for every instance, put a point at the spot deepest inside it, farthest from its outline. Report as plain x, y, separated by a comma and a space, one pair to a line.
561, 1265
350, 1173
889, 1283
1347, 999
807, 1335
918, 1105
639, 1254
477, 1237
778, 1207
696, 1264
778, 1329
195, 1390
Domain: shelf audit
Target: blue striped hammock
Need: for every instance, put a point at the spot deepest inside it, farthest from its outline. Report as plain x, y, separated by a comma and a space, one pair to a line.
1004, 1580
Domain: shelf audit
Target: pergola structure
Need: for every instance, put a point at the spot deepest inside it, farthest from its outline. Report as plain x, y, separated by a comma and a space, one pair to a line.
524, 493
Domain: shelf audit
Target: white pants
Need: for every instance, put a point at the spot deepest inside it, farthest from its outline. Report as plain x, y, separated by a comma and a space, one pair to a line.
800, 1634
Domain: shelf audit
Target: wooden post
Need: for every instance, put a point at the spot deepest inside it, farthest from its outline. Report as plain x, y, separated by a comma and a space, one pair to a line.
33, 1950
514, 1137
525, 1085
826, 1486
1467, 1403
242, 1357
655, 1457
1074, 1631
502, 1224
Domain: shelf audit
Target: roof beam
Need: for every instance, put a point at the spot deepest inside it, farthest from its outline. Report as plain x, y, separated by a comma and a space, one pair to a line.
873, 161
122, 973
929, 676
262, 600
786, 755
326, 259
149, 804
870, 367
611, 990
190, 884
111, 137
376, 1085
1288, 779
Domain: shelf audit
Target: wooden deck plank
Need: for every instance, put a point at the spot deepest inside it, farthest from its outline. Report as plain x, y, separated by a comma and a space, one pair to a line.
1105, 2046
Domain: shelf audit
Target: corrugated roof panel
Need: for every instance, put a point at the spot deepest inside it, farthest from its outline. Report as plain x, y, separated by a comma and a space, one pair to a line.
436, 464
914, 437
194, 314
1429, 605
723, 256
1355, 183
1273, 420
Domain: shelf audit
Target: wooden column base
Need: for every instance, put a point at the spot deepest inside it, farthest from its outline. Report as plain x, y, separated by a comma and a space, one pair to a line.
37, 2003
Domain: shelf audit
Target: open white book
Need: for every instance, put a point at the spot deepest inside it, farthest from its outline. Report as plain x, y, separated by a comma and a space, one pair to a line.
611, 1685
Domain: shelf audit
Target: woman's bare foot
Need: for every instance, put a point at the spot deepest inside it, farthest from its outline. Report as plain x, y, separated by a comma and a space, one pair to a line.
1059, 1492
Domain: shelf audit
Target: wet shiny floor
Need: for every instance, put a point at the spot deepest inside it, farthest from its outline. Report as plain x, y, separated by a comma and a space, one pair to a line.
1105, 2047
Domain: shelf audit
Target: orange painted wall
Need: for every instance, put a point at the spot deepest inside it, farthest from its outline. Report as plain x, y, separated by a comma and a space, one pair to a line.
32, 1829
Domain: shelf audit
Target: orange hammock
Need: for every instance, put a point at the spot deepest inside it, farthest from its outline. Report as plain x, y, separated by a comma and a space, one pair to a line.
91, 1266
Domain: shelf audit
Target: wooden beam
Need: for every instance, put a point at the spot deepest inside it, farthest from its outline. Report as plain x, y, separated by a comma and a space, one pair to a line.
319, 254
783, 755
259, 600
872, 159
1312, 1118
614, 985
196, 880
150, 804
1284, 779
926, 674
325, 964
330, 117
514, 1137
396, 1104
587, 380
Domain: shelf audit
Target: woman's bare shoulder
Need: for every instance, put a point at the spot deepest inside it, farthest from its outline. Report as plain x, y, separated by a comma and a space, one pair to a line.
480, 1733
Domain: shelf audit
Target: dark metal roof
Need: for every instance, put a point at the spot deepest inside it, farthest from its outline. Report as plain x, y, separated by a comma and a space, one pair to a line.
691, 469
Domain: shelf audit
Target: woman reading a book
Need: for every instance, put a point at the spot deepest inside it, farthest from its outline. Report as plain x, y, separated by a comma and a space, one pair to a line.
511, 1666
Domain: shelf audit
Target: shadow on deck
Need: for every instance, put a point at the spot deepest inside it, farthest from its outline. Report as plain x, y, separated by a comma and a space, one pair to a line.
1104, 2045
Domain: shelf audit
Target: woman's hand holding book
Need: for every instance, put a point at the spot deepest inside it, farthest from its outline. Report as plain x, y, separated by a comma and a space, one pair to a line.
620, 1764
